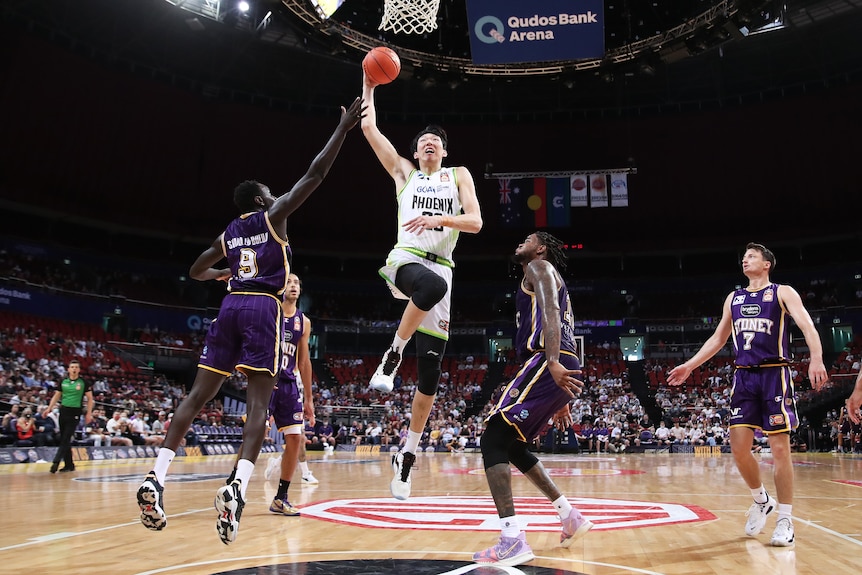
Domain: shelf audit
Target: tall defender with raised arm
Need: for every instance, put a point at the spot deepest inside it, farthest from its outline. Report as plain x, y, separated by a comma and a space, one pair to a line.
246, 335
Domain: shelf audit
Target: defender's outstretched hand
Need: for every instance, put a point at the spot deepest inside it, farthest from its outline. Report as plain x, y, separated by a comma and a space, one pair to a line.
351, 116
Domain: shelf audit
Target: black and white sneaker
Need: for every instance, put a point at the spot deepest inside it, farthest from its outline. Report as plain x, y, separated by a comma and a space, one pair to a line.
783, 534
150, 495
383, 379
402, 464
229, 504
757, 515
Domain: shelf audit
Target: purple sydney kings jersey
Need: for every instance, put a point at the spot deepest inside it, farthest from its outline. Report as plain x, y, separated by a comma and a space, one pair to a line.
532, 397
259, 260
530, 336
761, 330
285, 403
291, 336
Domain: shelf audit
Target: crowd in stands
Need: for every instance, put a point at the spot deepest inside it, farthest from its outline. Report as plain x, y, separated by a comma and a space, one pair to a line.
34, 354
134, 406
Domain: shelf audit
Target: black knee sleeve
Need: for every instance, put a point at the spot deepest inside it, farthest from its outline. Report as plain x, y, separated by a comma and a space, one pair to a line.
429, 352
496, 441
499, 442
429, 292
424, 287
521, 456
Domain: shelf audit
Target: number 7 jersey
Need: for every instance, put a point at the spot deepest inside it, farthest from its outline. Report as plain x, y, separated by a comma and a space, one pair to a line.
429, 195
761, 327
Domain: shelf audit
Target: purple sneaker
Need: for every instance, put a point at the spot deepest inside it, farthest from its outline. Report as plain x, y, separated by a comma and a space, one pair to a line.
575, 526
508, 551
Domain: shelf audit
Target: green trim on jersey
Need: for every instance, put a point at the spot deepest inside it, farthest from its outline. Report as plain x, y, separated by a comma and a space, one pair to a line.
436, 334
404, 187
428, 256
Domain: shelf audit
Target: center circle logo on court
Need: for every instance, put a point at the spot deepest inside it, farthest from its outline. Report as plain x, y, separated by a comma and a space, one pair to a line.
479, 514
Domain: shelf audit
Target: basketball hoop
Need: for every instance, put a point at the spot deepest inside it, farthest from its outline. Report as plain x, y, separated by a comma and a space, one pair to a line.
410, 16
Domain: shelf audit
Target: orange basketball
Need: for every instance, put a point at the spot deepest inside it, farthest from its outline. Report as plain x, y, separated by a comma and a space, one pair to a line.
381, 65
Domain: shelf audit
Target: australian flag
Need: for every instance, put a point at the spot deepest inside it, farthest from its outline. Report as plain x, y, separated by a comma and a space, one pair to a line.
512, 202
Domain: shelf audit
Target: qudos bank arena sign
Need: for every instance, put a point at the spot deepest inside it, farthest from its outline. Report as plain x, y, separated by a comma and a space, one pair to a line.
510, 31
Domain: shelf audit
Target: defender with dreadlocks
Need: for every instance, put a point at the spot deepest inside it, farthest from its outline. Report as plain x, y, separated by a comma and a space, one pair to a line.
541, 390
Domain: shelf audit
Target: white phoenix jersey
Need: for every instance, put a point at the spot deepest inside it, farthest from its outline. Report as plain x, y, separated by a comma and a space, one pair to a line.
431, 195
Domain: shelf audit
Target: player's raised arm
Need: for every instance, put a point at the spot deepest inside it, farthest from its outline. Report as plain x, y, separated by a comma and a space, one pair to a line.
319, 168
395, 165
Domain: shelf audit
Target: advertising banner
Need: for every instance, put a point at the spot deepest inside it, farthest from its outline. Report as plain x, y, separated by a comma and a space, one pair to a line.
508, 31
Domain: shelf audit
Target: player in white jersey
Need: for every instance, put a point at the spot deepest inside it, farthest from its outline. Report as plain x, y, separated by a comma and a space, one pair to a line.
435, 204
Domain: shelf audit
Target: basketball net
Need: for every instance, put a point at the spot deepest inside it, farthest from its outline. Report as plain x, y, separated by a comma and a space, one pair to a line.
409, 16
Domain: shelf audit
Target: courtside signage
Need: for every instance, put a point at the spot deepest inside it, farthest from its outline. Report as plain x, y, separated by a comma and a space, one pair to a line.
508, 31
479, 513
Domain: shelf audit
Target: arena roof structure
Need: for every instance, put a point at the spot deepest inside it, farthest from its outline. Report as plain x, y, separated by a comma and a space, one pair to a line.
659, 55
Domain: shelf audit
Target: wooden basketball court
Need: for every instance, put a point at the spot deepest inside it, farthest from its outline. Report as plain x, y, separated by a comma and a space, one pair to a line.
654, 514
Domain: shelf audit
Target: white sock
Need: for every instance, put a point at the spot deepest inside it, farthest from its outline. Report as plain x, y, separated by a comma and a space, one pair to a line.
399, 344
303, 466
163, 461
244, 469
412, 443
563, 507
785, 511
509, 526
760, 495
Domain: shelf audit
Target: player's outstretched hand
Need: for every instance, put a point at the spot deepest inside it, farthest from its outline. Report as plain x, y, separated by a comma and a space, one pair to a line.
351, 116
678, 375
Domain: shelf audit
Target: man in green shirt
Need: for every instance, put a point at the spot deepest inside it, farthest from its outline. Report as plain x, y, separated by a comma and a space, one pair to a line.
71, 395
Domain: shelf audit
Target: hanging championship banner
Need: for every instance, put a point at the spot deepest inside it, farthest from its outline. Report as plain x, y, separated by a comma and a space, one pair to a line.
619, 190
598, 190
579, 191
